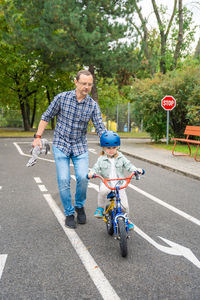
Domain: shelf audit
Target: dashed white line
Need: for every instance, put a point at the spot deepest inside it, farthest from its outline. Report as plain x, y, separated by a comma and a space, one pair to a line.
37, 180
3, 258
42, 188
99, 279
102, 284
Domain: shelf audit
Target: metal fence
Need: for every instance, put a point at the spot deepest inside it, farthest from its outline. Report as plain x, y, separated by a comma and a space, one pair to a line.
10, 118
120, 117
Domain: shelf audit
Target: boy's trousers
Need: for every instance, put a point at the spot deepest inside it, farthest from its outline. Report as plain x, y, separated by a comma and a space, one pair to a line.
102, 197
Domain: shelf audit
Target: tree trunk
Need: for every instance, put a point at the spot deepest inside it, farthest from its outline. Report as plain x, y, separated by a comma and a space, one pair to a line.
24, 114
163, 51
180, 34
28, 112
163, 35
34, 111
49, 100
94, 88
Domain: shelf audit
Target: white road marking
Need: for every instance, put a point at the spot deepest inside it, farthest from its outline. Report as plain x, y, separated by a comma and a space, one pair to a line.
170, 207
3, 258
28, 155
186, 252
42, 188
92, 150
0, 187
174, 249
93, 186
102, 284
157, 200
37, 180
104, 287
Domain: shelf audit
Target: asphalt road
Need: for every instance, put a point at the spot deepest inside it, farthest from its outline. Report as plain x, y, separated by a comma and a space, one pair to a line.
39, 260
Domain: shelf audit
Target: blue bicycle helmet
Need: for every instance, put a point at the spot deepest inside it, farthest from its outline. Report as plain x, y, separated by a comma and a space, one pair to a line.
109, 139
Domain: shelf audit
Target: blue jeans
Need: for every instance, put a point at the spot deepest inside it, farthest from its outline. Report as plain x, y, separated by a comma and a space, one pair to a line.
63, 177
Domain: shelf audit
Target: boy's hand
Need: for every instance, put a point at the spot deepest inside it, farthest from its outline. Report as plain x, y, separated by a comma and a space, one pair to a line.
140, 171
90, 174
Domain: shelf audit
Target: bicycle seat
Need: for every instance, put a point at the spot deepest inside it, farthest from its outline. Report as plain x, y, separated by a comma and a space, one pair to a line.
110, 195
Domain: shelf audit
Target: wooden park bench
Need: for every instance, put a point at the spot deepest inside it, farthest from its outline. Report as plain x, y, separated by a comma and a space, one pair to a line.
189, 131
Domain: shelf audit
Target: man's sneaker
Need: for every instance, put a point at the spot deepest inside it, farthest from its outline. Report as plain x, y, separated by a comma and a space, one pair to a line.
99, 212
130, 225
81, 216
70, 222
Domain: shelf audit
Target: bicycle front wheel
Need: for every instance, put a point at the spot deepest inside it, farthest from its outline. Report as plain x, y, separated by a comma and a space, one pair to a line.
122, 237
109, 224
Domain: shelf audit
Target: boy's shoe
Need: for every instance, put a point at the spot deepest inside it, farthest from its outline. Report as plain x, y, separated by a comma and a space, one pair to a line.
99, 212
81, 216
130, 225
70, 222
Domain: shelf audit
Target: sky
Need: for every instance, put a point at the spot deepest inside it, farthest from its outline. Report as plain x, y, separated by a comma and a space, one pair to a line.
192, 5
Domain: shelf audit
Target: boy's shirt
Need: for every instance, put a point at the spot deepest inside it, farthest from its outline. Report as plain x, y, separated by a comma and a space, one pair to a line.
103, 166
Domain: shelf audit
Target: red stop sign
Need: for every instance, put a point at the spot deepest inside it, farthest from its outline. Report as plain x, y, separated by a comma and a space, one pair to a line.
168, 103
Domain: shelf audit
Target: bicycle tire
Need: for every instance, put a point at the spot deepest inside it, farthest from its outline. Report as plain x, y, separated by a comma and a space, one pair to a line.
109, 224
122, 237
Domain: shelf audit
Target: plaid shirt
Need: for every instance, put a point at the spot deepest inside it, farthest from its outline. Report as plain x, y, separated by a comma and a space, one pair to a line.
72, 121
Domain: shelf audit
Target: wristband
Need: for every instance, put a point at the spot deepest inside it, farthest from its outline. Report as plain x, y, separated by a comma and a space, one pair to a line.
37, 136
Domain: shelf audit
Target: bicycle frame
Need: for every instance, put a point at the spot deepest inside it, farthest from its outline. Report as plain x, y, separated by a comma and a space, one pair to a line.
116, 210
116, 220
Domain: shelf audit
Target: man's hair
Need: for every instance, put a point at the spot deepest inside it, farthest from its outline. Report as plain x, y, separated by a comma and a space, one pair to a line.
83, 72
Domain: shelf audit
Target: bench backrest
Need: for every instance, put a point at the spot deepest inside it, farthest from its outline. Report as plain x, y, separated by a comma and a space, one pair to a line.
192, 130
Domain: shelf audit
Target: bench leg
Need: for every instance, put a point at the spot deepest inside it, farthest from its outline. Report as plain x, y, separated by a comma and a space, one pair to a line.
181, 154
195, 156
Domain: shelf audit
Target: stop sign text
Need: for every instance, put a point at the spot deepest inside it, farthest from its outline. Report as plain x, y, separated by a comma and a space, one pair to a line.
168, 103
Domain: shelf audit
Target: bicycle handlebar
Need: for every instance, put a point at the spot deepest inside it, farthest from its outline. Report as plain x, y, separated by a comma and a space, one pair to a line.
127, 180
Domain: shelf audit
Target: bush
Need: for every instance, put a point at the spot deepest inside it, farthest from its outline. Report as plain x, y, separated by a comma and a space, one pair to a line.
183, 85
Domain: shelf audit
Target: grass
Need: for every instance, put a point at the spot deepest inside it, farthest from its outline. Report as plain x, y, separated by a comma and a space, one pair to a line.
182, 148
5, 132
134, 134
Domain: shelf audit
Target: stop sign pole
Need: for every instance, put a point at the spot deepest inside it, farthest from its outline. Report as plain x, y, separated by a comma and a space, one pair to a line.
168, 103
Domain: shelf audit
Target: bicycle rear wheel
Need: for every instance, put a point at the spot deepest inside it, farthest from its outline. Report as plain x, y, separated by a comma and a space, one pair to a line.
109, 224
122, 237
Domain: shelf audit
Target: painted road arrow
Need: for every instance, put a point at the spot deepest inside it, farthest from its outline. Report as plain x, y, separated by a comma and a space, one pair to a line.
174, 249
3, 258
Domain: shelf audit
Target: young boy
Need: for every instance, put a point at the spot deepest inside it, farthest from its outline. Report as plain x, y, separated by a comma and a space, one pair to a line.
110, 165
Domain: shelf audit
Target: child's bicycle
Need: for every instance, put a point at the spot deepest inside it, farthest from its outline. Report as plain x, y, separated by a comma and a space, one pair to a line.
116, 220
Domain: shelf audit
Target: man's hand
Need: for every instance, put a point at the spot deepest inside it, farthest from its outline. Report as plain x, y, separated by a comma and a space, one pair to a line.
37, 142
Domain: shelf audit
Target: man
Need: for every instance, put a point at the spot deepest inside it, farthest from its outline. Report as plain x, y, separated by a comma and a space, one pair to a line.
74, 109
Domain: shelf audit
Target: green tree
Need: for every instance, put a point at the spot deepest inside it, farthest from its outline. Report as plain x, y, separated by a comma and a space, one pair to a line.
175, 35
79, 33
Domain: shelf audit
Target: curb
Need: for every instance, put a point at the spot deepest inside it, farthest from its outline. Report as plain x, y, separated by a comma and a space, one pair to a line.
193, 176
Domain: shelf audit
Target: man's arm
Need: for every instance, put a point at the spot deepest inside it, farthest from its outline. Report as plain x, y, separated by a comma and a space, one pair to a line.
40, 131
98, 121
